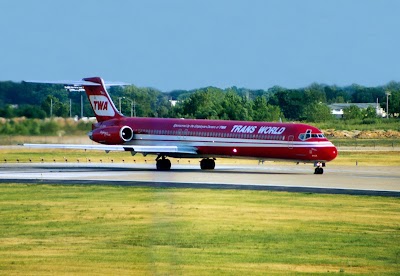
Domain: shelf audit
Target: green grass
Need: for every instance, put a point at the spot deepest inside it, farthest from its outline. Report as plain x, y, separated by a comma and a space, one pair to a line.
374, 124
59, 229
360, 143
368, 158
59, 155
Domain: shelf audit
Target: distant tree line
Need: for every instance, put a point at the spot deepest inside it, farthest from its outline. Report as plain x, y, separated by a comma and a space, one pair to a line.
277, 103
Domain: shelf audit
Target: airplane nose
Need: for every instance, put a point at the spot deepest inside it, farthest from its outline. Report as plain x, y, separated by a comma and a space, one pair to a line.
331, 153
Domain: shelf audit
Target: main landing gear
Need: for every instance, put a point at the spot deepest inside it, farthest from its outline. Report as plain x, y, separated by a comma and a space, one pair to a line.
207, 164
163, 164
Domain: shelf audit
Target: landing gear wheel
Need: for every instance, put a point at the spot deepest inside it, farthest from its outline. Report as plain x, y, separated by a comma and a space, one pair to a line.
163, 164
319, 170
207, 164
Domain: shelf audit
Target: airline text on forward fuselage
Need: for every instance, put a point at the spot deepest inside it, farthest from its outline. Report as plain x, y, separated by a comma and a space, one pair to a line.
261, 130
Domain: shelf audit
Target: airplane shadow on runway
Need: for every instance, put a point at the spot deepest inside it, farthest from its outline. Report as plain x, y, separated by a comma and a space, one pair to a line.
60, 168
173, 170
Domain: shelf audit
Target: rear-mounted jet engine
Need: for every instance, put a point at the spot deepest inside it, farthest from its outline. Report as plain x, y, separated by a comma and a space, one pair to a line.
111, 135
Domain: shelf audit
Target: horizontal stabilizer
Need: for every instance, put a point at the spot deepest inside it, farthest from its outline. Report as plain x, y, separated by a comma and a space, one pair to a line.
80, 83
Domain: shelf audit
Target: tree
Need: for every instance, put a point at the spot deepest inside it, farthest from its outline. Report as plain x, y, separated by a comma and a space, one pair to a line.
30, 111
52, 106
317, 112
394, 102
352, 112
394, 98
235, 107
314, 93
149, 102
370, 112
7, 112
203, 104
262, 111
333, 94
291, 103
366, 94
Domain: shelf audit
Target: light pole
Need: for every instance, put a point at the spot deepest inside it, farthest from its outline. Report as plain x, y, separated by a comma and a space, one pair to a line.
387, 103
131, 107
81, 105
51, 107
134, 107
119, 101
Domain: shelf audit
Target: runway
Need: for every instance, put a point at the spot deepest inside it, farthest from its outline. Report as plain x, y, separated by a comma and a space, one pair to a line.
355, 180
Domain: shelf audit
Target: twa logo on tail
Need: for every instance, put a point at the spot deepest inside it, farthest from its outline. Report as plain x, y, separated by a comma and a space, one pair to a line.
101, 105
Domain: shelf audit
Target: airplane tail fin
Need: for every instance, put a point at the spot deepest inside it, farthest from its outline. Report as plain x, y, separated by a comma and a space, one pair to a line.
95, 88
102, 105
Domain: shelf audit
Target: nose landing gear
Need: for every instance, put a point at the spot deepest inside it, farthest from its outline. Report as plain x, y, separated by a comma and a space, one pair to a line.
318, 168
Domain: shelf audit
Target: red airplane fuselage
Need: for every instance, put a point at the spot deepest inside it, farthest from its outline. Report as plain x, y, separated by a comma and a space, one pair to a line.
218, 138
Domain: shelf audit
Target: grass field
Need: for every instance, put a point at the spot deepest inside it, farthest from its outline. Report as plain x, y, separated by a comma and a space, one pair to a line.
363, 143
367, 158
48, 229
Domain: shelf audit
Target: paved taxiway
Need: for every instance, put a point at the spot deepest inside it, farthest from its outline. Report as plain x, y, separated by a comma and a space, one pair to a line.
336, 179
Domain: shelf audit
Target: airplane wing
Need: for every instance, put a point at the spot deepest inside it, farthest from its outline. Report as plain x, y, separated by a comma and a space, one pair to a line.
107, 148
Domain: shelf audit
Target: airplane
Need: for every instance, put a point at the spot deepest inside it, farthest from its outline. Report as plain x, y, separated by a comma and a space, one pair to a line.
196, 138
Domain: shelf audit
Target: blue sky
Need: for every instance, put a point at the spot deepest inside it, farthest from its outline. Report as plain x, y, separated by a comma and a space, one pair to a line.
187, 44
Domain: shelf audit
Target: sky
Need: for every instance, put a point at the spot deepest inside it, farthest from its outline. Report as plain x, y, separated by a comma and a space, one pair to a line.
189, 44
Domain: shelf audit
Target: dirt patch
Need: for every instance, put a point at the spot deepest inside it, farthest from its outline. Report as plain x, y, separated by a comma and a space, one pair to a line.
365, 134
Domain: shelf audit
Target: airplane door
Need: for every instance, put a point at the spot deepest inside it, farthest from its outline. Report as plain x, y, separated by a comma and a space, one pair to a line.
290, 139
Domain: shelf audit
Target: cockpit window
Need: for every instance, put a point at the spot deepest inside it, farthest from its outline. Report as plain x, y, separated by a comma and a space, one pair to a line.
307, 135
317, 135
